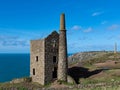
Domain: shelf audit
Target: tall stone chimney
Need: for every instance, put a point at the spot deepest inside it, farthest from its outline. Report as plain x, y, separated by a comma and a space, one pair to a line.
62, 63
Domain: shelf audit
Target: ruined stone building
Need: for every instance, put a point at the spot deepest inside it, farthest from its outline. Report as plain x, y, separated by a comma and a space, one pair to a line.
48, 56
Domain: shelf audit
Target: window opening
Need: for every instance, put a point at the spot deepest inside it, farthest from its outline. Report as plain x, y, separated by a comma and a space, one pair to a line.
54, 59
36, 58
33, 71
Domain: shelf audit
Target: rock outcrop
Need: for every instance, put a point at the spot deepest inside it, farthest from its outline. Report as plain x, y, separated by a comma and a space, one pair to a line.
78, 57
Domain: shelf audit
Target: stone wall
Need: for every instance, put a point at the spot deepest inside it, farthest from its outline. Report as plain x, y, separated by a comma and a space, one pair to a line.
37, 62
42, 54
51, 51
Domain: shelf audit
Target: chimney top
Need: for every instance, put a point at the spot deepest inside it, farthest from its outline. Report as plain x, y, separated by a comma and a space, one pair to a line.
62, 22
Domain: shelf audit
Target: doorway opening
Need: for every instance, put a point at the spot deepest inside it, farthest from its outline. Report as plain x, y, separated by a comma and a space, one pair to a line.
54, 73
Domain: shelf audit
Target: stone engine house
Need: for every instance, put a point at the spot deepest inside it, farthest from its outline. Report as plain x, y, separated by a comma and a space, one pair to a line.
48, 57
44, 58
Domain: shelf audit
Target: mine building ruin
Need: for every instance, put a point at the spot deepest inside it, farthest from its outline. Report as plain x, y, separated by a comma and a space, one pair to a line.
48, 56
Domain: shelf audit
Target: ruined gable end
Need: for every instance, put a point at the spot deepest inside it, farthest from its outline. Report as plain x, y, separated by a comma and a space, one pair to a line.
44, 59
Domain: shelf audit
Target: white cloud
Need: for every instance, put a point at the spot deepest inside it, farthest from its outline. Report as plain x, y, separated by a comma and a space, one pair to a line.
88, 30
83, 38
113, 27
104, 22
13, 41
76, 27
97, 13
31, 34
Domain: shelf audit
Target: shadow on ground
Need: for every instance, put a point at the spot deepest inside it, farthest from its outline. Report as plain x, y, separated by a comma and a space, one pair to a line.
80, 72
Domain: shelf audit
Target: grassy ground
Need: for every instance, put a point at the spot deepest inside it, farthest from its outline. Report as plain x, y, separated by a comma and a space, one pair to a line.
102, 88
87, 74
19, 86
104, 58
111, 75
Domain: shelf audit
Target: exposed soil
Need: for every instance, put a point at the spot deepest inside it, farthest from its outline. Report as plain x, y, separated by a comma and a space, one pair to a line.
109, 65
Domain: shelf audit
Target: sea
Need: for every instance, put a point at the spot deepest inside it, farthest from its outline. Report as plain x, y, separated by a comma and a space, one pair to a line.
14, 66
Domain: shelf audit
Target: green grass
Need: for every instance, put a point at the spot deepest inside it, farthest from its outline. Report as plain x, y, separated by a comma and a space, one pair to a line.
105, 57
101, 88
106, 88
110, 76
19, 86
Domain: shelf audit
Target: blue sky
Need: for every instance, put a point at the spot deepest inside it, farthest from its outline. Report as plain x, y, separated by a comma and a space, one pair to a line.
91, 24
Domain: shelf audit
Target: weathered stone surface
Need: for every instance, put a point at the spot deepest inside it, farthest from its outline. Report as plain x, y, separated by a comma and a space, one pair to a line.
45, 54
17, 80
44, 50
21, 80
62, 22
37, 50
51, 56
62, 64
70, 80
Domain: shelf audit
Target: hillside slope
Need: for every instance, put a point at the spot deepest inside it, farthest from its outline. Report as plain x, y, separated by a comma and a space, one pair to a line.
92, 57
83, 71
